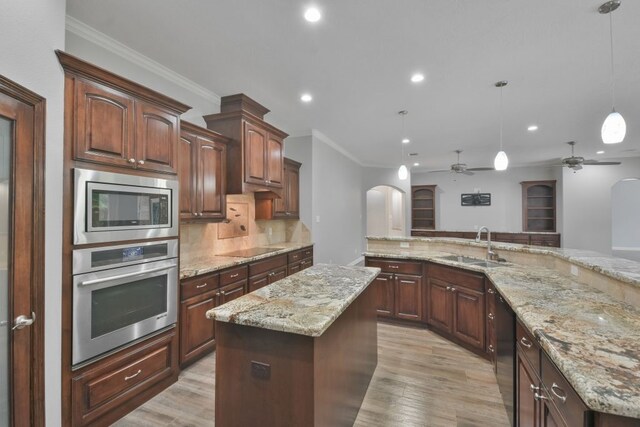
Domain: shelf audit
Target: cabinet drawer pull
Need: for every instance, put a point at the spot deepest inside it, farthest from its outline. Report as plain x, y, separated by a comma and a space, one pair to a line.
562, 397
395, 267
525, 342
491, 348
132, 160
233, 276
223, 293
410, 282
141, 162
491, 291
382, 278
453, 289
539, 396
448, 288
534, 388
201, 286
491, 316
134, 375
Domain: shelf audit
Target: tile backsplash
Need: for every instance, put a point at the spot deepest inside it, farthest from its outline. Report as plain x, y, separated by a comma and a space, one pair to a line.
197, 240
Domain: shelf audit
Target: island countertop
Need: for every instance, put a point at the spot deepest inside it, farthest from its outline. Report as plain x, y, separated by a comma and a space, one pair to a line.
306, 303
592, 338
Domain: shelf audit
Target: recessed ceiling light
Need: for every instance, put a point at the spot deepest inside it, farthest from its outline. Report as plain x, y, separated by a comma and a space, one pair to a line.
417, 78
406, 140
600, 152
416, 164
532, 128
306, 97
312, 14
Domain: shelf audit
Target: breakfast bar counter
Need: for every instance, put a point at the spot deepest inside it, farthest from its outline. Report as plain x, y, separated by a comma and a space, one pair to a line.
300, 351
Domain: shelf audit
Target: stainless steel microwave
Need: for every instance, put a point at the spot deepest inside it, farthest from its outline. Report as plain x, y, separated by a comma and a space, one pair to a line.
111, 207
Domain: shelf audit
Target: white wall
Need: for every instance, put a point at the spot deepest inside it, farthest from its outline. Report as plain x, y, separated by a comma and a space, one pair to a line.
338, 203
587, 204
505, 212
625, 212
31, 31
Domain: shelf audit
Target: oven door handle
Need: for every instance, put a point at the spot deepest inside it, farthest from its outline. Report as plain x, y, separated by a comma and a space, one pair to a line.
123, 276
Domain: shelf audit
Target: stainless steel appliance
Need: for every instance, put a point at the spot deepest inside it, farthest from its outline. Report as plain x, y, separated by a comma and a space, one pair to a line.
110, 207
122, 293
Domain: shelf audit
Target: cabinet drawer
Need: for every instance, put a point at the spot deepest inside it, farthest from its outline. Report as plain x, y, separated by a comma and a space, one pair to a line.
295, 256
268, 264
307, 252
233, 275
113, 383
528, 346
393, 266
569, 404
457, 277
198, 285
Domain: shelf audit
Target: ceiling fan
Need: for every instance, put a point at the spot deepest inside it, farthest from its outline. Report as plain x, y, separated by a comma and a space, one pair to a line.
462, 167
576, 162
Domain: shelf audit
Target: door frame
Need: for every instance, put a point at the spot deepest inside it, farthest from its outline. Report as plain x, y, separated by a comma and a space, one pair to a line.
38, 105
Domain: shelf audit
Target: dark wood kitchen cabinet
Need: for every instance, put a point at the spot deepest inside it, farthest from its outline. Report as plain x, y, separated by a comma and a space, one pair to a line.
456, 304
539, 206
423, 207
527, 385
118, 122
202, 173
256, 151
299, 260
288, 206
267, 271
398, 288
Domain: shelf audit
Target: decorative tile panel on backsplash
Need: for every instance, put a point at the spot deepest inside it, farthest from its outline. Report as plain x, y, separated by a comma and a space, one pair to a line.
197, 240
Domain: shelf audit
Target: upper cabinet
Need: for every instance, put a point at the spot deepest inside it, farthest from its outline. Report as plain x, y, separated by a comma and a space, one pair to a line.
118, 122
202, 173
288, 206
539, 206
256, 151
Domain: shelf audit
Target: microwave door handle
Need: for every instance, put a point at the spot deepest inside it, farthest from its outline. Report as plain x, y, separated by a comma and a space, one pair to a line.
123, 276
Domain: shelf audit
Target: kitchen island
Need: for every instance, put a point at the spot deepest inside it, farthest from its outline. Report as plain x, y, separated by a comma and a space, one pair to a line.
300, 351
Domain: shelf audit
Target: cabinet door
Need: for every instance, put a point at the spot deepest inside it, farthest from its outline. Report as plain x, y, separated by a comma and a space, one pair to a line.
439, 300
104, 125
281, 205
550, 417
255, 147
293, 192
157, 135
384, 294
274, 161
197, 333
408, 297
211, 161
293, 268
278, 274
526, 404
231, 292
187, 175
468, 316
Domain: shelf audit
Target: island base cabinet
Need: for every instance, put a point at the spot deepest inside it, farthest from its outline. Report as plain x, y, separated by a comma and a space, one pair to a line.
270, 378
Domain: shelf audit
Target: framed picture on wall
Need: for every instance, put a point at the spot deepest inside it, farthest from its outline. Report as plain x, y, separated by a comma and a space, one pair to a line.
475, 199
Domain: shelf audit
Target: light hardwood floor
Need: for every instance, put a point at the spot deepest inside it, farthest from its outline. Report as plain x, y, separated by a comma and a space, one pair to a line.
421, 380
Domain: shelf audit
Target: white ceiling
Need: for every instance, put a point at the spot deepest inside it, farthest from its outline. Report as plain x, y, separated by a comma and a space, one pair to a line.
358, 60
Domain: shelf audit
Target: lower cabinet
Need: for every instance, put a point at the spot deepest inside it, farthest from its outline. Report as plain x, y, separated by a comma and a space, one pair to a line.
527, 387
299, 260
267, 271
399, 289
112, 387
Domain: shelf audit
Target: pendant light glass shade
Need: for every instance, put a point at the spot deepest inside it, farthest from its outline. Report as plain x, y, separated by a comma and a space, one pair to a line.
614, 128
403, 172
501, 162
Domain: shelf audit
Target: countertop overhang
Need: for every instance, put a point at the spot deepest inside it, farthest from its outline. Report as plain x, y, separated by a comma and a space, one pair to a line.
593, 338
305, 303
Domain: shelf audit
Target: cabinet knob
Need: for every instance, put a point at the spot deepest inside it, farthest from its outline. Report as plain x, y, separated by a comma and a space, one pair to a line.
141, 162
132, 160
453, 289
223, 293
491, 348
539, 397
534, 388
491, 316
448, 288
491, 291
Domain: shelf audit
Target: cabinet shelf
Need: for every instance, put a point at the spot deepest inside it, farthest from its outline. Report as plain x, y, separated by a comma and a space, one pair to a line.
539, 198
423, 207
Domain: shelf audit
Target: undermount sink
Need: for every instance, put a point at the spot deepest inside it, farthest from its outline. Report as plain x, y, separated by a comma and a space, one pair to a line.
472, 261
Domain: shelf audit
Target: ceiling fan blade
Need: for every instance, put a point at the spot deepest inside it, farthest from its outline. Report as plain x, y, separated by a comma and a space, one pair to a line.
577, 167
481, 169
466, 172
441, 170
596, 163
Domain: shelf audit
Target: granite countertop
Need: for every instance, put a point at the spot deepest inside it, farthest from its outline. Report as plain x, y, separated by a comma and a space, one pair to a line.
305, 303
210, 263
592, 338
621, 269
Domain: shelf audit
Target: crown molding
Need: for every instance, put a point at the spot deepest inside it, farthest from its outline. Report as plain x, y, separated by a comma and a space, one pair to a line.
94, 36
325, 139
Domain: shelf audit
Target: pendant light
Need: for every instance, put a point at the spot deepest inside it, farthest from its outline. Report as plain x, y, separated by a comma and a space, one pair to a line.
501, 162
403, 172
614, 127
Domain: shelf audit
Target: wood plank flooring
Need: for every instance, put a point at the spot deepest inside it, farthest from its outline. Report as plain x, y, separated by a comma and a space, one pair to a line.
421, 380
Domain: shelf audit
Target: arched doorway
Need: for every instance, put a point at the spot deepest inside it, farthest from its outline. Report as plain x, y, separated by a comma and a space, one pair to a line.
385, 211
625, 211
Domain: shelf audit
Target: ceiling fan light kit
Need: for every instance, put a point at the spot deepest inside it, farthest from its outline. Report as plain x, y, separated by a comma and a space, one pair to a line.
501, 162
614, 127
576, 162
